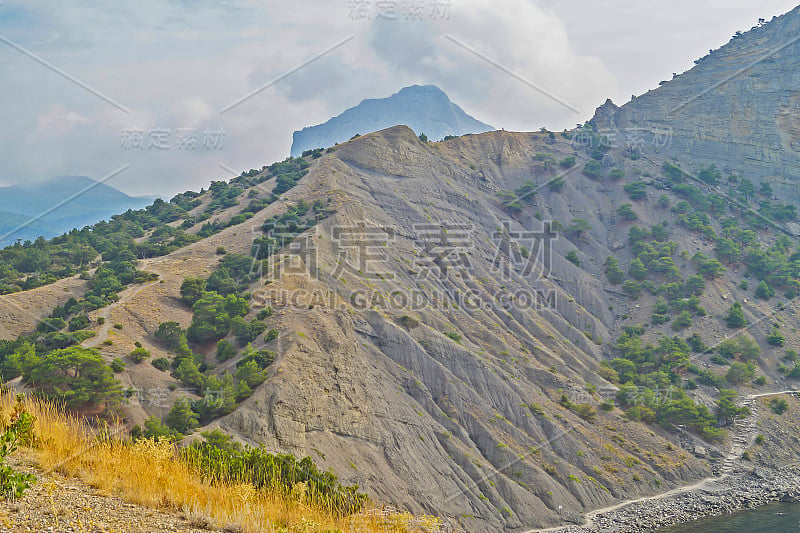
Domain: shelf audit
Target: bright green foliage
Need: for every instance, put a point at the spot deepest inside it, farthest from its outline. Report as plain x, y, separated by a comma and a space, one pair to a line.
181, 418
632, 288
117, 365
76, 375
592, 168
742, 346
572, 257
527, 191
192, 289
778, 405
154, 428
567, 162
710, 175
708, 268
161, 363
453, 335
636, 190
673, 172
735, 317
764, 291
616, 174
626, 212
739, 373
225, 351
79, 322
247, 332
614, 274
170, 334
727, 410
637, 270
510, 202
578, 227
683, 320
212, 316
139, 355
775, 338
233, 275
222, 461
19, 430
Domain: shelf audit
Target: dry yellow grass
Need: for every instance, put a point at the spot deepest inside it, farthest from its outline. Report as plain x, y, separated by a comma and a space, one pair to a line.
148, 473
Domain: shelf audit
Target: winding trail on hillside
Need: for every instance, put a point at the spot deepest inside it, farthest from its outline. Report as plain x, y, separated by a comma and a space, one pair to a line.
125, 296
744, 434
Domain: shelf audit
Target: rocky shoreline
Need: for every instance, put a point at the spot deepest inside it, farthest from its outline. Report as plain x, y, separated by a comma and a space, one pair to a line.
721, 496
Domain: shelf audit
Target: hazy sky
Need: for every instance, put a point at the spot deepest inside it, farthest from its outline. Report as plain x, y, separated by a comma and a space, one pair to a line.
160, 88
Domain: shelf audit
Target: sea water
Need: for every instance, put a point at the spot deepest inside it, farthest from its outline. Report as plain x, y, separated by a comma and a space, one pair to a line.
775, 518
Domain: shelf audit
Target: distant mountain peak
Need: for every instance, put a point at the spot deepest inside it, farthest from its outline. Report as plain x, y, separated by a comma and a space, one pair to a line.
423, 108
38, 208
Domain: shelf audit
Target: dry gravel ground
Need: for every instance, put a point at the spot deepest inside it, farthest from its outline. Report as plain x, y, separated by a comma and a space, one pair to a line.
58, 504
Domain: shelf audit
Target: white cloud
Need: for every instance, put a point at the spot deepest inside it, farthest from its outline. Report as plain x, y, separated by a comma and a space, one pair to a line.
176, 65
58, 120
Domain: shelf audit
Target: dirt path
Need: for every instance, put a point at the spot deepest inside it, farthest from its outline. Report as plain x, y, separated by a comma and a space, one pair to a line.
60, 504
744, 430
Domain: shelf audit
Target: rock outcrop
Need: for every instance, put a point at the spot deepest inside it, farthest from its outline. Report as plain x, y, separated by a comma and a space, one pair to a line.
739, 108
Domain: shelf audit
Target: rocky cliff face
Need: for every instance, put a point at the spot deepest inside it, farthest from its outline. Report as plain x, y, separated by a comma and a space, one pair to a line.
739, 107
452, 407
425, 109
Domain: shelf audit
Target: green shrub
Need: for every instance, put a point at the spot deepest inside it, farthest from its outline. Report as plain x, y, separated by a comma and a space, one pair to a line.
139, 354
225, 351
764, 291
616, 174
161, 363
79, 322
453, 335
572, 257
556, 184
735, 317
154, 428
220, 461
626, 212
738, 373
567, 162
775, 338
192, 290
592, 168
636, 190
408, 322
181, 418
117, 365
77, 376
264, 313
778, 405
683, 320
18, 431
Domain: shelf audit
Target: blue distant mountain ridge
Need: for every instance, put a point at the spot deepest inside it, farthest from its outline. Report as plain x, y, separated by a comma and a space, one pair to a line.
28, 211
423, 108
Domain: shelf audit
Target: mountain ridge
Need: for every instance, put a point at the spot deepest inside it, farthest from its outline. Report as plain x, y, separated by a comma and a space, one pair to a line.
424, 108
